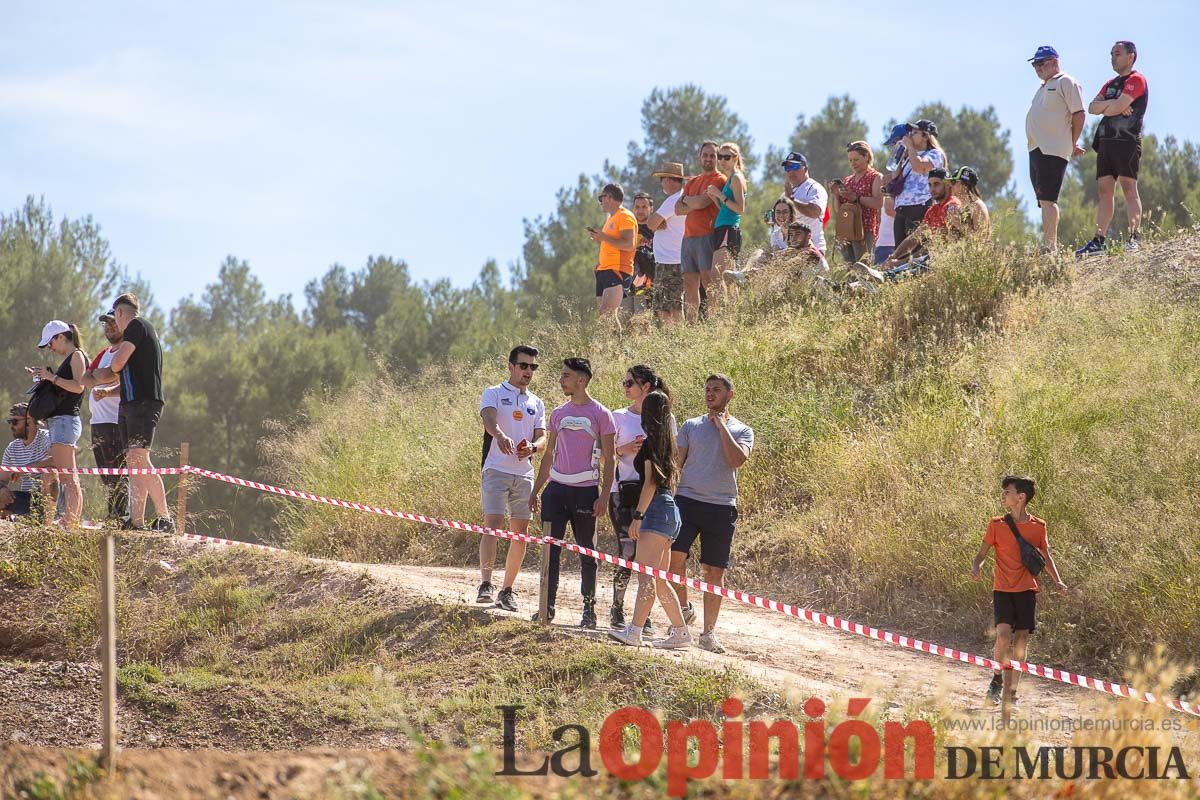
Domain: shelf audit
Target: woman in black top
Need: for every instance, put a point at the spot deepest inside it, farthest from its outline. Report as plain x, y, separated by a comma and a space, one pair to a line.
655, 524
64, 424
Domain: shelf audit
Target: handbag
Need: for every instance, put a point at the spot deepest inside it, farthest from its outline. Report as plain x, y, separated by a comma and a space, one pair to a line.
44, 399
895, 186
1031, 557
628, 493
849, 226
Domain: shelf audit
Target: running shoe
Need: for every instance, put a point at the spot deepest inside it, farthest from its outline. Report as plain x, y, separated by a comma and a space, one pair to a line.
163, 525
534, 618
506, 601
1093, 248
995, 687
627, 635
485, 594
616, 617
647, 629
1133, 245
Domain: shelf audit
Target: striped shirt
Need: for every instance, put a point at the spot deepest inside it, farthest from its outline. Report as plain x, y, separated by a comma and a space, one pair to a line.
20, 454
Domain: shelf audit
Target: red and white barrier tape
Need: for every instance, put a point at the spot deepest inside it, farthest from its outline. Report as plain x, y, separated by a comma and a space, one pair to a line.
748, 598
94, 471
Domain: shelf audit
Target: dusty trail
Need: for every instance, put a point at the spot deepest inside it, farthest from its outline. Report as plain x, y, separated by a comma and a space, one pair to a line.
796, 656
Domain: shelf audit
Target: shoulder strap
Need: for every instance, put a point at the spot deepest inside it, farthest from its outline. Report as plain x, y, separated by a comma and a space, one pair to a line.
1012, 526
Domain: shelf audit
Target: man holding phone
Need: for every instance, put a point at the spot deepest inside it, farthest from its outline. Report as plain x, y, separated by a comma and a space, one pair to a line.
514, 428
618, 241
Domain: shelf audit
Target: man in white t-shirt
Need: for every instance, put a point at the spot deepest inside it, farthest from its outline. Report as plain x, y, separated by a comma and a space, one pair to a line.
1052, 129
514, 429
810, 196
668, 226
104, 403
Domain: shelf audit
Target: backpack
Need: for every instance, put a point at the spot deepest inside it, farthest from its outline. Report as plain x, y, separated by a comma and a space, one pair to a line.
849, 226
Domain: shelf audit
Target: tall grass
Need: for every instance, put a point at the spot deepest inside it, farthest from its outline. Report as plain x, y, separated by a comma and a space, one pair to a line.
883, 425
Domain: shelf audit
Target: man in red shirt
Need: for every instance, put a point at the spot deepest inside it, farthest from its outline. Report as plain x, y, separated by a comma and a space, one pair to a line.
1121, 105
701, 213
936, 219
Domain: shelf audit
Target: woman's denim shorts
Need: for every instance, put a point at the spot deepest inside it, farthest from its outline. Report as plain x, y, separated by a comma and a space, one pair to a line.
662, 517
65, 429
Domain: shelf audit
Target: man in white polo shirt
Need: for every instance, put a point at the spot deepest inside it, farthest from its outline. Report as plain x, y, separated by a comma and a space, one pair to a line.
514, 428
812, 201
1052, 129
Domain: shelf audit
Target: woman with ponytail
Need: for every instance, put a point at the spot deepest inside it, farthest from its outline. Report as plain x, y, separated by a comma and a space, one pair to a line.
64, 424
655, 523
639, 382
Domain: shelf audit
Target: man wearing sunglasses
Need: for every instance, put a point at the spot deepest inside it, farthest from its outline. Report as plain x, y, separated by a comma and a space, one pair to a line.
30, 447
514, 429
1052, 129
618, 241
810, 196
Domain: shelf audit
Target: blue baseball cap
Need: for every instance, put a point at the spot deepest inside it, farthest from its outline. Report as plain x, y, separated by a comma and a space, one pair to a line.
1044, 52
794, 159
898, 133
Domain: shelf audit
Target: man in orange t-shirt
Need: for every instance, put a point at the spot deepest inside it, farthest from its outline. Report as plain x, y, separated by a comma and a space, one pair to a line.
1014, 588
618, 241
696, 253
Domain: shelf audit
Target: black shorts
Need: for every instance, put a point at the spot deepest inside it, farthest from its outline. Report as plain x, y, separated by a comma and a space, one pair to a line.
136, 422
713, 523
1118, 159
1016, 609
728, 236
1046, 173
608, 278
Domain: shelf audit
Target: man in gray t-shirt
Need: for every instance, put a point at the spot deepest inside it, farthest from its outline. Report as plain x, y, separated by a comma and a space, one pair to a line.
711, 449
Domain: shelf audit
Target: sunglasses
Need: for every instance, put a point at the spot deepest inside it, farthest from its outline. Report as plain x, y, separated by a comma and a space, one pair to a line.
791, 167
526, 365
725, 156
628, 383
1040, 62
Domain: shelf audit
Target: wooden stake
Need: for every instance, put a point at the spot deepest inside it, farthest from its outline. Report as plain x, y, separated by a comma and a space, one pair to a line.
181, 511
544, 587
108, 656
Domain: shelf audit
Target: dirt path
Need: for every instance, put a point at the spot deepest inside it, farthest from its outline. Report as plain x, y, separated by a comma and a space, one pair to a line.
808, 659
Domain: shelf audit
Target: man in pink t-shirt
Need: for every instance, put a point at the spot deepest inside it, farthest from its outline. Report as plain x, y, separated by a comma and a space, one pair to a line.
577, 478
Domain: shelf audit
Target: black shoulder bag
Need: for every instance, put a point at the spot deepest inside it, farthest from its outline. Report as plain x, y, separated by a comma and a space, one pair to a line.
1031, 557
44, 400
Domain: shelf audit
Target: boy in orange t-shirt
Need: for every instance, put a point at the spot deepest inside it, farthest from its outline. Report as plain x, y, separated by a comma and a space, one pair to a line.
1014, 588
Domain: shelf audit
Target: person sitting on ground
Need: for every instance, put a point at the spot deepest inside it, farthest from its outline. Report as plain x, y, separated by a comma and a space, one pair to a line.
1014, 587
782, 214
30, 447
936, 220
974, 219
800, 245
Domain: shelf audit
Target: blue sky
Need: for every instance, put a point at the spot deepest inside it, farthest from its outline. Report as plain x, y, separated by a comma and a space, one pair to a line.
299, 134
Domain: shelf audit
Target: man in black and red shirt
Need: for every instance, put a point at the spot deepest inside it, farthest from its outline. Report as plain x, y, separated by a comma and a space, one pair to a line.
1118, 144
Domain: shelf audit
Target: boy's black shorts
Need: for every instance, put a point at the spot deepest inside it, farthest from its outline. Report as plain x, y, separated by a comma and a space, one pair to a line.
1016, 609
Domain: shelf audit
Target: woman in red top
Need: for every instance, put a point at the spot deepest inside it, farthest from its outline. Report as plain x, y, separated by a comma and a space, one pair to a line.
864, 186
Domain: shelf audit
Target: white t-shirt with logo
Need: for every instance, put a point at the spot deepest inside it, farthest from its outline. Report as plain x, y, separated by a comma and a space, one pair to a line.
104, 411
518, 415
629, 428
812, 192
668, 240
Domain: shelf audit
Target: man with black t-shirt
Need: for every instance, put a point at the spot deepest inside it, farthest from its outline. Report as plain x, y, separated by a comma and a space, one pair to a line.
643, 256
1121, 105
137, 366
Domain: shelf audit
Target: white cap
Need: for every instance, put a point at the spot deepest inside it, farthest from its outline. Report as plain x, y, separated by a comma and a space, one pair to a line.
52, 329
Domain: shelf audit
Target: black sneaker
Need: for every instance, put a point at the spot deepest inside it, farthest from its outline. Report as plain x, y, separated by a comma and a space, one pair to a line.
1093, 248
163, 525
127, 525
588, 621
647, 629
534, 618
616, 617
485, 593
995, 687
506, 601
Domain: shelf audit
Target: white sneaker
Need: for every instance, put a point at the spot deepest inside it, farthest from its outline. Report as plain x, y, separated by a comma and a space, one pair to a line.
627, 635
689, 614
1132, 246
677, 638
710, 642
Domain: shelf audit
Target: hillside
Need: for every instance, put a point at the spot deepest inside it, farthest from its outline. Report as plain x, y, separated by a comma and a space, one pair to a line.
884, 424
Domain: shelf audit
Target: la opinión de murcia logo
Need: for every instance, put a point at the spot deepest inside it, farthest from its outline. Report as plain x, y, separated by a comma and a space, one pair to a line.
694, 749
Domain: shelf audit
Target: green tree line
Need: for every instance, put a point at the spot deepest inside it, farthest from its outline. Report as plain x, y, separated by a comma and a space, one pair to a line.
239, 362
